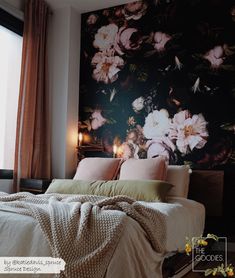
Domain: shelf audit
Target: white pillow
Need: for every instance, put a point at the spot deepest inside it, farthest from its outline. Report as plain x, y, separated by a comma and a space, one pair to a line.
179, 176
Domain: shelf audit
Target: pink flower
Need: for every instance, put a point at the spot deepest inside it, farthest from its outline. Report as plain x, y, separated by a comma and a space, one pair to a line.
215, 56
104, 39
160, 40
118, 12
91, 20
127, 39
97, 120
189, 131
135, 10
161, 146
106, 66
131, 121
125, 151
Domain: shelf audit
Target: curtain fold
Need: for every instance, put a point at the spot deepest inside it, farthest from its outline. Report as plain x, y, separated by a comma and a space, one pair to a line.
33, 149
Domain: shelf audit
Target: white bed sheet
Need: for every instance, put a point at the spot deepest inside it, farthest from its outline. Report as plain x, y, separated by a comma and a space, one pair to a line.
185, 218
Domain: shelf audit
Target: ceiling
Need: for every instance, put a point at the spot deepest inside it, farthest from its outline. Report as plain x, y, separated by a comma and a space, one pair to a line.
86, 5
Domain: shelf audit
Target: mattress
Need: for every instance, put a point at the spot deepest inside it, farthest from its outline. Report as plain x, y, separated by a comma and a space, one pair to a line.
185, 218
134, 256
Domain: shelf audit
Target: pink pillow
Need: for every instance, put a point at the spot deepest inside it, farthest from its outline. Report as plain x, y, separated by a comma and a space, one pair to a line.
96, 168
144, 169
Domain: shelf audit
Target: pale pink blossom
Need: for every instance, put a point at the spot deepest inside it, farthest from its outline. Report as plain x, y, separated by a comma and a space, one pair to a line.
157, 124
126, 151
92, 18
106, 66
131, 121
161, 146
105, 37
135, 10
215, 56
138, 104
189, 131
97, 120
124, 40
160, 40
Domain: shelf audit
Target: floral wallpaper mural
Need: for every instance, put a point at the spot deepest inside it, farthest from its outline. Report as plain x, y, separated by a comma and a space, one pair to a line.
158, 78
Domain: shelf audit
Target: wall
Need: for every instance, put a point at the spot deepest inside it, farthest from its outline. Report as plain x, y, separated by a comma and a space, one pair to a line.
63, 45
14, 7
157, 79
18, 4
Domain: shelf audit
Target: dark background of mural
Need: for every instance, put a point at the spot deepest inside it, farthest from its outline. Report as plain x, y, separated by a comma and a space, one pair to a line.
174, 55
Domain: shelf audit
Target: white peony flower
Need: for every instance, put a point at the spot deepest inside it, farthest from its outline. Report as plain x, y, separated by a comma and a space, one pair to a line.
105, 37
189, 131
138, 104
157, 124
106, 66
161, 146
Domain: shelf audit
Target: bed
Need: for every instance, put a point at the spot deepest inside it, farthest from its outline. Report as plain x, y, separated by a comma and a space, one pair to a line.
133, 256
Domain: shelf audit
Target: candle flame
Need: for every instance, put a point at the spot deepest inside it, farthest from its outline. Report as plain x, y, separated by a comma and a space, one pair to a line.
80, 138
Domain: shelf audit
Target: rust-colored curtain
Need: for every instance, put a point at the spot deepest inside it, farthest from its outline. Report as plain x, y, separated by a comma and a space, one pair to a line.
33, 151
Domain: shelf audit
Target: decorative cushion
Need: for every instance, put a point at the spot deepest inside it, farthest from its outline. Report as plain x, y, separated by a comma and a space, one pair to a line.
96, 168
179, 176
140, 190
144, 169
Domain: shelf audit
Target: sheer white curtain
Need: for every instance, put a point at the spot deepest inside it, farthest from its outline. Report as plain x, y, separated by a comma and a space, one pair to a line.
10, 64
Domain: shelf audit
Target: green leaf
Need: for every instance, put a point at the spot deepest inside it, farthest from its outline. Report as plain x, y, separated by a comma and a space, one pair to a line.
208, 272
212, 236
223, 273
111, 121
87, 109
132, 67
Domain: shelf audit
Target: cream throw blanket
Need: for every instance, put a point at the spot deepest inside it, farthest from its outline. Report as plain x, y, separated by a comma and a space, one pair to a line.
85, 230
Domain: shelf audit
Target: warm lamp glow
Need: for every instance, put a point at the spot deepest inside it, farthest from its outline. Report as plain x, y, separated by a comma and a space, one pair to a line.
80, 138
73, 138
115, 149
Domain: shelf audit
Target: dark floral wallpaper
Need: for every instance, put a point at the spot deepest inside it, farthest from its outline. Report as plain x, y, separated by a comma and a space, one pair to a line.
158, 78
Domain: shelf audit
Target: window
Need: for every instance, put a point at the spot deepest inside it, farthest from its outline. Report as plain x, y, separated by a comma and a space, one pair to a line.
10, 64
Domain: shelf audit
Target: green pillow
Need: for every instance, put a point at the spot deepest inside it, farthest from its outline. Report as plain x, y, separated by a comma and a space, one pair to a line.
140, 190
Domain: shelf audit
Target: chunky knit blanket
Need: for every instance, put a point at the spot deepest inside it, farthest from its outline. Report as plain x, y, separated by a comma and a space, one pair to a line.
85, 230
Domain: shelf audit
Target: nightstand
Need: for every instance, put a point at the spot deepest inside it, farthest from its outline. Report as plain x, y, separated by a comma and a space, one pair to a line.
35, 186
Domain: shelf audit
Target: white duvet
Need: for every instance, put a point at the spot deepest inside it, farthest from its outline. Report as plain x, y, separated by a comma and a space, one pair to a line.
134, 257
